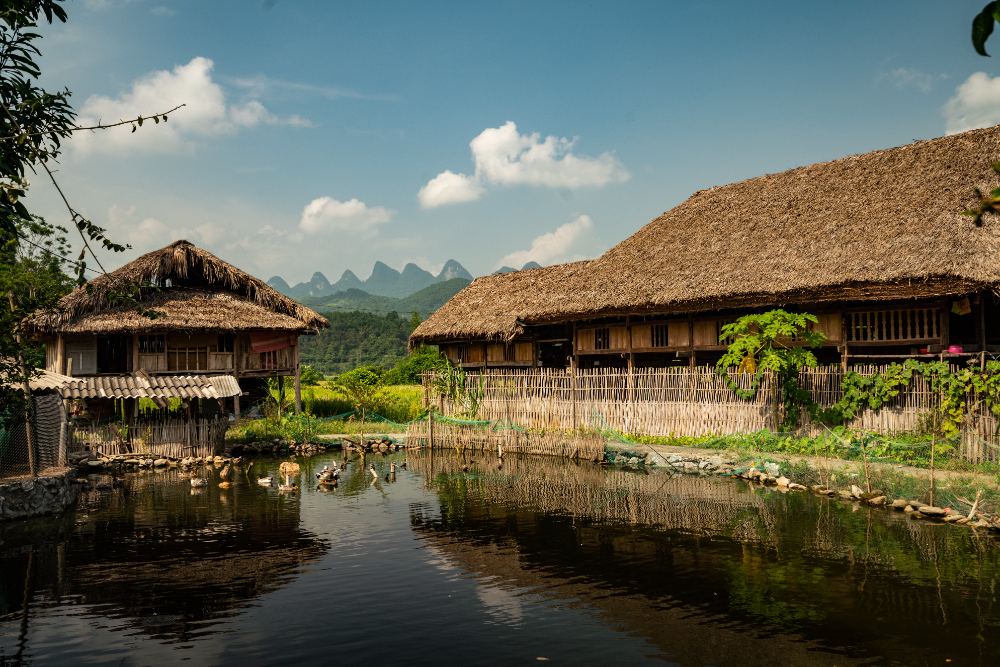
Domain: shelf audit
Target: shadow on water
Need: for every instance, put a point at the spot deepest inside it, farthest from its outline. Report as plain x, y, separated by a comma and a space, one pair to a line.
164, 559
717, 571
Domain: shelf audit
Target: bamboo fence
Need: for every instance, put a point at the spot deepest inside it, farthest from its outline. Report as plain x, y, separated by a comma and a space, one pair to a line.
689, 402
172, 438
486, 438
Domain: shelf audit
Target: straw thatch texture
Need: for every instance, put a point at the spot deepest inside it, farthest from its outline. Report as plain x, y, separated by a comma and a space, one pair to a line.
494, 306
196, 290
883, 225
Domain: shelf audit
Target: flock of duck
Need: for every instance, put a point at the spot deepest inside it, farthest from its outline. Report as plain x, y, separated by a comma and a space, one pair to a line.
327, 477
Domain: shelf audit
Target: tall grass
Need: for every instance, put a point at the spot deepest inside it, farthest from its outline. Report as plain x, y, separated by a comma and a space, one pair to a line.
400, 403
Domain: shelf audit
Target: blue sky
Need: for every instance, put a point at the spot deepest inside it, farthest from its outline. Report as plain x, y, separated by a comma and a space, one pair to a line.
323, 136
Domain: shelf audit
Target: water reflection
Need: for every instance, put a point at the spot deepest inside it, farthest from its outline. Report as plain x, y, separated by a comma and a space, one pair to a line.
703, 567
156, 558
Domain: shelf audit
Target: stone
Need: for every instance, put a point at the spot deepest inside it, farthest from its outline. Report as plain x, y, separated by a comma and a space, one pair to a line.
797, 487
159, 463
877, 502
982, 523
783, 481
917, 503
899, 503
951, 518
95, 464
856, 491
846, 495
909, 509
131, 462
868, 495
932, 511
634, 461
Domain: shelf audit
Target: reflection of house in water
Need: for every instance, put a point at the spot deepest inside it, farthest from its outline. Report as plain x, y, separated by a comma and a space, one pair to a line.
172, 563
701, 566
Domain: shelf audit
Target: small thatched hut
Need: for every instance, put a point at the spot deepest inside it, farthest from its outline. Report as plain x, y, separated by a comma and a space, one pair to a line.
202, 316
875, 245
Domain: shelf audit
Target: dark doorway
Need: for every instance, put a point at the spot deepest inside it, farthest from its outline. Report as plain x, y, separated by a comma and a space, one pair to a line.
112, 354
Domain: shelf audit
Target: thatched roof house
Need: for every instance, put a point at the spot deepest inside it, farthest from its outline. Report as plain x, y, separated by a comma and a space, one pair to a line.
875, 233
211, 318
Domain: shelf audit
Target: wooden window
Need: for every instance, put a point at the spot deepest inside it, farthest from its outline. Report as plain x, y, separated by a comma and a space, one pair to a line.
894, 325
84, 356
523, 352
225, 343
269, 360
152, 344
661, 335
191, 359
602, 339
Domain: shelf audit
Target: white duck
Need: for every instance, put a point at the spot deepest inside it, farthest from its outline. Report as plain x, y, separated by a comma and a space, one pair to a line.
265, 481
199, 481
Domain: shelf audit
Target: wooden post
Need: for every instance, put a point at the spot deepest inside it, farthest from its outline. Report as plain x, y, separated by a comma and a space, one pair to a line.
236, 402
945, 323
843, 340
61, 355
135, 352
981, 323
298, 382
430, 429
573, 361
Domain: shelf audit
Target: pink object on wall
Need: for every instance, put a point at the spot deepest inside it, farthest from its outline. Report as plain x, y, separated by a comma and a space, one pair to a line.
955, 349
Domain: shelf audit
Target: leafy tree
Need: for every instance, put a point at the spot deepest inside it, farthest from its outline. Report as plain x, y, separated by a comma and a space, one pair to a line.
412, 369
308, 376
364, 389
415, 320
776, 341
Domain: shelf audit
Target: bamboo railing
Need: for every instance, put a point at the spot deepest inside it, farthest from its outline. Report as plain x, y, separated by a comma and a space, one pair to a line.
686, 402
172, 438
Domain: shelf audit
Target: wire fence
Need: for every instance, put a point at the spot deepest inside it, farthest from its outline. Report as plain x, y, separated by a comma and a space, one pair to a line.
48, 440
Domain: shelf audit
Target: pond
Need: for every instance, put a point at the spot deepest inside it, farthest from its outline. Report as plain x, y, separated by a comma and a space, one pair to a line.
478, 561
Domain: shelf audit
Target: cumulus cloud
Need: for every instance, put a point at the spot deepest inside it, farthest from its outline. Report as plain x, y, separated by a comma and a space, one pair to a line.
350, 217
503, 156
976, 104
449, 188
206, 112
560, 245
125, 225
901, 77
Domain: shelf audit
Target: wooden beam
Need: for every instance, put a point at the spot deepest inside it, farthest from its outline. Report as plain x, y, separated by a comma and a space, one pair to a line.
236, 400
981, 322
298, 381
945, 323
61, 355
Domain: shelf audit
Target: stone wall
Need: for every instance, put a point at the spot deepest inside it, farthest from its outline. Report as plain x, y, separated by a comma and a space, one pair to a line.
51, 492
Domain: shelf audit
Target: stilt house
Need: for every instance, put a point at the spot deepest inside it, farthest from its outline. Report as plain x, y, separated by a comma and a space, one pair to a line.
874, 245
215, 326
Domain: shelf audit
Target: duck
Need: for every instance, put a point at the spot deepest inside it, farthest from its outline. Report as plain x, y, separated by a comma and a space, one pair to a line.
199, 481
328, 476
325, 472
265, 481
288, 488
224, 475
403, 464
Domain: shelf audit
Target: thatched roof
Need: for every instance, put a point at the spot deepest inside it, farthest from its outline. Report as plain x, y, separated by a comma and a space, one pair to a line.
496, 306
882, 225
196, 291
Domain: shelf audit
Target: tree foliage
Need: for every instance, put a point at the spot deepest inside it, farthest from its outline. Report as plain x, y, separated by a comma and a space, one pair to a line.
778, 342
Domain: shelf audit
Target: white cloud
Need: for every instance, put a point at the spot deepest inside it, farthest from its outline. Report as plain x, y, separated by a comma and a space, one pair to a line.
163, 11
206, 113
449, 188
553, 247
146, 234
976, 104
350, 217
503, 156
902, 77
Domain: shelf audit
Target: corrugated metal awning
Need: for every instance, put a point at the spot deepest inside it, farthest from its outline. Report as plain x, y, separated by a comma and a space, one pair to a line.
166, 386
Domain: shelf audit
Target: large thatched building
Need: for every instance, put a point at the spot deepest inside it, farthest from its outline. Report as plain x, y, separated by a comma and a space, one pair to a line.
875, 245
194, 315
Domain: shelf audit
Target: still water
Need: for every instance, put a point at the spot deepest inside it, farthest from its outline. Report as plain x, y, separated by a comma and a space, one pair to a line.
470, 561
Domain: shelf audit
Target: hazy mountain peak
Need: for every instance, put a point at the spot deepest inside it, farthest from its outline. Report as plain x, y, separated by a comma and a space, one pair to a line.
531, 265
453, 269
383, 281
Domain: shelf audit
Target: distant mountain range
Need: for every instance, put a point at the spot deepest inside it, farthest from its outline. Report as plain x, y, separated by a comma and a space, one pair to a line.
384, 281
529, 265
424, 301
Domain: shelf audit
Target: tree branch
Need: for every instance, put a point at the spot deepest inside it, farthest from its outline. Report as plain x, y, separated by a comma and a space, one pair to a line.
99, 126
